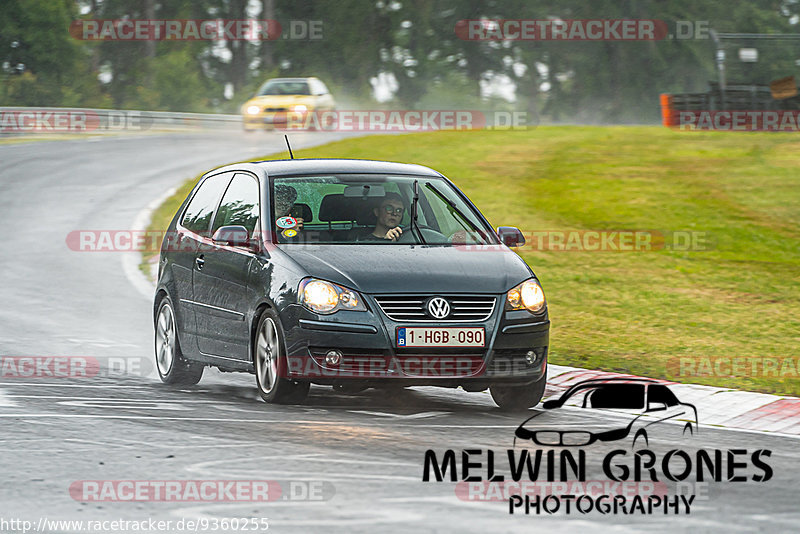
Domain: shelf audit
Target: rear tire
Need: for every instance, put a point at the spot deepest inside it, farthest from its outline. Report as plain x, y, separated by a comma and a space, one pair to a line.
172, 367
269, 354
516, 398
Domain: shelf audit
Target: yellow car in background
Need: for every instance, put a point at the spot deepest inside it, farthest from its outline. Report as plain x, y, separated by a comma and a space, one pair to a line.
281, 100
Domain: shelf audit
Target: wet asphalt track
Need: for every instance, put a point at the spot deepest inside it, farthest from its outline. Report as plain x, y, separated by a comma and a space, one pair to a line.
366, 451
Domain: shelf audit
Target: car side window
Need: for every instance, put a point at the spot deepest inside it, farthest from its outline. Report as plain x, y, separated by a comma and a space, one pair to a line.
318, 88
239, 205
618, 397
658, 393
197, 216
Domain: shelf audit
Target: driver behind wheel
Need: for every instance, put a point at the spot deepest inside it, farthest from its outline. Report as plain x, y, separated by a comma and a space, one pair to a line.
389, 213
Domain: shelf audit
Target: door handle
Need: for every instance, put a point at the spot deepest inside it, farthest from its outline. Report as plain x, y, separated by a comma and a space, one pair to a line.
200, 262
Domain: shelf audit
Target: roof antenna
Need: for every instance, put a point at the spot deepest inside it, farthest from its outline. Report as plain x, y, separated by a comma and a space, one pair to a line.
288, 146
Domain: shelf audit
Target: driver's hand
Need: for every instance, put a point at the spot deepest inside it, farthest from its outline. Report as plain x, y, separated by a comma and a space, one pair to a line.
299, 223
394, 233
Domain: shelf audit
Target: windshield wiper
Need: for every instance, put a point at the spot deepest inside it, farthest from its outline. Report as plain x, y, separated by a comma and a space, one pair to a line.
452, 207
414, 203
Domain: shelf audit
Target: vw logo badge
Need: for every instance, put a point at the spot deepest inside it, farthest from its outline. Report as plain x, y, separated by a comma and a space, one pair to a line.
438, 308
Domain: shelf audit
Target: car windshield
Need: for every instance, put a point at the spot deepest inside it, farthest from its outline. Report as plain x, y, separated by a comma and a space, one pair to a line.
273, 87
363, 209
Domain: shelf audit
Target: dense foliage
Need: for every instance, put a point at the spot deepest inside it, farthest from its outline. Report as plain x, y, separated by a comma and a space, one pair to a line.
411, 42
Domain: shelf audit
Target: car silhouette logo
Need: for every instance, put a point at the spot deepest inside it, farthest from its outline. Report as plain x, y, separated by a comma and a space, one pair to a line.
649, 406
438, 308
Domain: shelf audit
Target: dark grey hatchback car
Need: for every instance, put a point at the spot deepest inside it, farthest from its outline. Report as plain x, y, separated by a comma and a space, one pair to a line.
350, 273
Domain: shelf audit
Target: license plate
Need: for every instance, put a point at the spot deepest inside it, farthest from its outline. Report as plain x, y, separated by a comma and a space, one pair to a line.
440, 337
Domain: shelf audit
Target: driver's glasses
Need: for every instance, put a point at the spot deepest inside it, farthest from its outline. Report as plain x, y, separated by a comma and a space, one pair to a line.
390, 210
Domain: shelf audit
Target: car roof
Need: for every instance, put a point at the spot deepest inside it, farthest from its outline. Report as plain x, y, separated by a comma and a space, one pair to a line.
288, 167
610, 381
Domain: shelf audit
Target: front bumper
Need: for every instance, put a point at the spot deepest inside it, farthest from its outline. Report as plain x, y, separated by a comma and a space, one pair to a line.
268, 120
515, 352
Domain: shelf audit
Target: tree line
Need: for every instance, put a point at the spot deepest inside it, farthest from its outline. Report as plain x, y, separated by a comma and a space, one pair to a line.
412, 46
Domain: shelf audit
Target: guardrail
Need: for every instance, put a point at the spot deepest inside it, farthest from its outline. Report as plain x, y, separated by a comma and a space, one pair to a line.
45, 120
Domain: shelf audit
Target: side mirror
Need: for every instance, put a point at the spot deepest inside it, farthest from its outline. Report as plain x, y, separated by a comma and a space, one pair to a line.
510, 236
656, 406
234, 236
550, 404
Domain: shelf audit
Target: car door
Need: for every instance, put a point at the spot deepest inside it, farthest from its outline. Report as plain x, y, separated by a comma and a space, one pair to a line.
191, 232
220, 276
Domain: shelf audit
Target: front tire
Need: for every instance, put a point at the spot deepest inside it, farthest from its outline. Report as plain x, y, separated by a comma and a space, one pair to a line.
516, 398
172, 367
269, 353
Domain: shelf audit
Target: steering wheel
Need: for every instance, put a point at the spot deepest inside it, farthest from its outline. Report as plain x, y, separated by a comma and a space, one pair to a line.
408, 234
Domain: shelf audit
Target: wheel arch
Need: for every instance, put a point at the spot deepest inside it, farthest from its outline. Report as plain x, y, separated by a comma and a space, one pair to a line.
161, 293
257, 313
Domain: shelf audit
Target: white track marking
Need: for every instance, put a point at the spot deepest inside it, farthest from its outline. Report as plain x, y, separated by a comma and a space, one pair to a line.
52, 384
103, 343
217, 467
131, 260
144, 399
423, 415
227, 420
5, 401
132, 404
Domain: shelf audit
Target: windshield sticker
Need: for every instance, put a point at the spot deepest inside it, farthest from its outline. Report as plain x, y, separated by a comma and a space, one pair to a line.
286, 222
289, 233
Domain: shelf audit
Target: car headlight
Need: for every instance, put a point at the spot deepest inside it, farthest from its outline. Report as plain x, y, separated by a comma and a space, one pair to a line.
253, 110
326, 297
300, 108
528, 295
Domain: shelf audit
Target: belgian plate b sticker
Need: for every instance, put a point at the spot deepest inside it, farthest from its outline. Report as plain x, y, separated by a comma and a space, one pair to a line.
401, 337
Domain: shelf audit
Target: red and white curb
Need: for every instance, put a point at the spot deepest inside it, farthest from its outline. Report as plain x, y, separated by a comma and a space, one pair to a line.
728, 408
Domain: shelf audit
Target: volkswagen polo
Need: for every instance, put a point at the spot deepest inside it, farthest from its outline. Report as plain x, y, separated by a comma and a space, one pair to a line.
348, 273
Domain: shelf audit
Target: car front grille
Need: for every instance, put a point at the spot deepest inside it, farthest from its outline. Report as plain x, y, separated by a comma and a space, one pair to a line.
413, 308
272, 110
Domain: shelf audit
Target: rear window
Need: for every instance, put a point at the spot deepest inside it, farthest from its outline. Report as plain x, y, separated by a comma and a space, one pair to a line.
197, 216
